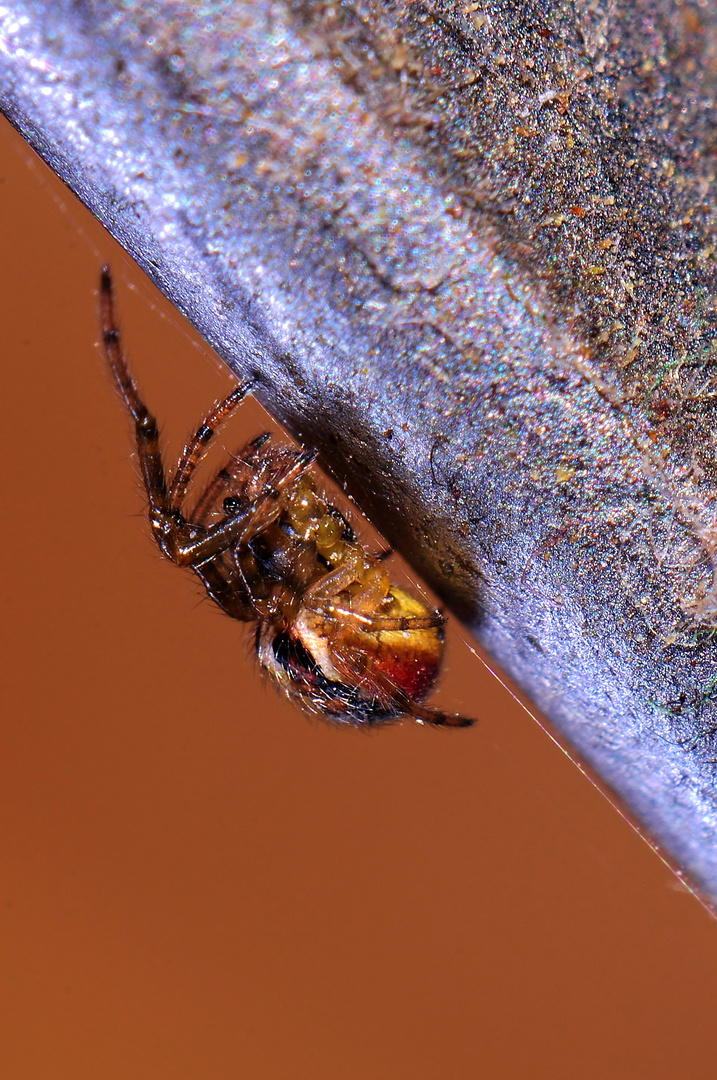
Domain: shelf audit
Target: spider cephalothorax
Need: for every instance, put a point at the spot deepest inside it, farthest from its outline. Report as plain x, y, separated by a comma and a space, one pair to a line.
332, 629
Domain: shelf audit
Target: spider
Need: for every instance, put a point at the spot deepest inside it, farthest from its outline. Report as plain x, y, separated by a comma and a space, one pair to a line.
332, 629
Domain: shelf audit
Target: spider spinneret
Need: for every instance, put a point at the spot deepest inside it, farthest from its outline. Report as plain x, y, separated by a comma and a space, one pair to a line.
332, 629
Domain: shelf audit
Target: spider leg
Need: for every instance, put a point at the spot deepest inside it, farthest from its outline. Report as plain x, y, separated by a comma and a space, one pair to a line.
222, 589
424, 714
377, 624
176, 538
186, 549
212, 493
362, 609
227, 475
146, 433
335, 581
230, 587
194, 450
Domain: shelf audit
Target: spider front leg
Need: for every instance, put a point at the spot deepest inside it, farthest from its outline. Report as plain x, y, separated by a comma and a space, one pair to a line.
197, 445
192, 545
145, 425
176, 538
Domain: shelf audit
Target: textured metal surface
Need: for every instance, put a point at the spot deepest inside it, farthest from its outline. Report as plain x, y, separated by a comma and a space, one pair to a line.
469, 252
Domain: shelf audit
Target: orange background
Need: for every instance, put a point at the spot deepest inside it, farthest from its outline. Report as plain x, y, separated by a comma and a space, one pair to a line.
196, 880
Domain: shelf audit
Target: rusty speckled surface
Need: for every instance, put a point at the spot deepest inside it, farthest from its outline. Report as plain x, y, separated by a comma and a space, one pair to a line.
469, 251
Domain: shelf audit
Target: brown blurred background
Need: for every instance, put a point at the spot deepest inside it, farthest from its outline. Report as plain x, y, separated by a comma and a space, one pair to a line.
198, 881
